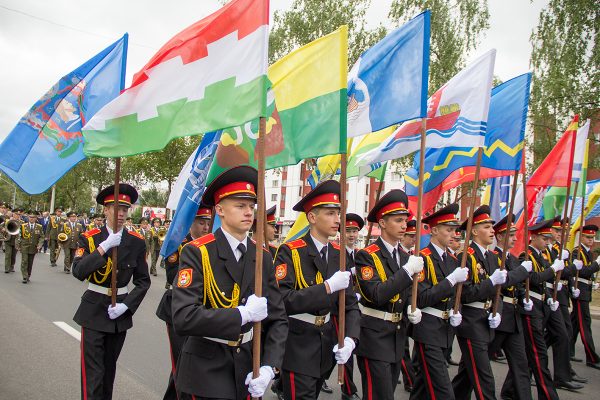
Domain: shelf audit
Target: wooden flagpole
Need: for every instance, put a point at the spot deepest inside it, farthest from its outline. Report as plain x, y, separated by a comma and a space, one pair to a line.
509, 221
580, 233
260, 239
564, 227
113, 276
377, 196
463, 261
526, 225
415, 278
342, 293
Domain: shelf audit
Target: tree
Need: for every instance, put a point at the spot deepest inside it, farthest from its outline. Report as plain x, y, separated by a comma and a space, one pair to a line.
566, 77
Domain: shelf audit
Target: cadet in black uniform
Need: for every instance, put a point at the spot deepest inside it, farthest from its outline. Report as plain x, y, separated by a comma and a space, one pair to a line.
309, 278
199, 228
476, 331
384, 274
407, 244
213, 301
103, 327
582, 295
509, 334
434, 334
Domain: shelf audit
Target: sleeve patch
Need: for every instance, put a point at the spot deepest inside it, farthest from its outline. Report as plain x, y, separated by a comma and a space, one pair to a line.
281, 271
366, 273
79, 252
172, 258
184, 279
422, 276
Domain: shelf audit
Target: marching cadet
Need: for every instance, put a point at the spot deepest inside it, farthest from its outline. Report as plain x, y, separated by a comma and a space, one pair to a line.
434, 334
10, 251
129, 224
146, 231
104, 327
582, 295
309, 278
200, 227
154, 245
214, 302
453, 248
29, 243
52, 234
271, 230
384, 274
72, 229
509, 334
476, 331
407, 244
533, 316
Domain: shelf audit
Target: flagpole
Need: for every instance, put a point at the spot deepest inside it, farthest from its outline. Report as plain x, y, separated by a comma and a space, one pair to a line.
580, 232
564, 227
415, 277
260, 238
509, 221
463, 260
342, 293
526, 227
113, 276
377, 196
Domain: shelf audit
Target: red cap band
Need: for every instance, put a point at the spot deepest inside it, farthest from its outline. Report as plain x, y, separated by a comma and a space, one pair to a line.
482, 218
442, 219
411, 230
322, 200
204, 212
234, 188
392, 207
352, 224
271, 219
123, 198
557, 225
589, 232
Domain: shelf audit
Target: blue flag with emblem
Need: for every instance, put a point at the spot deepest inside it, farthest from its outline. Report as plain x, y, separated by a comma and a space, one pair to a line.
388, 83
47, 141
190, 199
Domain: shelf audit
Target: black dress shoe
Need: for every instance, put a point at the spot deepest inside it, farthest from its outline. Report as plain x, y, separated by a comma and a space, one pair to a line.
6, 272
25, 280
573, 358
577, 378
593, 365
569, 385
326, 388
353, 396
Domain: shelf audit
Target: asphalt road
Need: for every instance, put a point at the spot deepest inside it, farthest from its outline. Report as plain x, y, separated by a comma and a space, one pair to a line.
40, 360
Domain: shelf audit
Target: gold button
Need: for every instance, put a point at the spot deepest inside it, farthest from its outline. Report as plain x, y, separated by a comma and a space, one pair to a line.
243, 300
223, 293
237, 350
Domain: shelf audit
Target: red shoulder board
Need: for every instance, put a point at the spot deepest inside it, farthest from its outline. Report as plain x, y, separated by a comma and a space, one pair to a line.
137, 235
471, 251
296, 244
426, 251
202, 240
91, 233
494, 251
335, 245
371, 249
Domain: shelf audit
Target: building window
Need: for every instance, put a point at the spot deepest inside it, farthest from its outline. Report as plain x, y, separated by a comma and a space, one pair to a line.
396, 176
275, 183
274, 197
282, 196
366, 206
283, 182
282, 213
367, 189
300, 191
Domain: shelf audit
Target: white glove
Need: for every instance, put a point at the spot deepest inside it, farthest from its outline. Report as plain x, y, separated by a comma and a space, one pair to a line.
528, 305
494, 322
116, 311
553, 304
575, 292
342, 355
595, 286
498, 277
564, 255
528, 265
559, 286
578, 264
455, 319
414, 265
113, 240
255, 309
414, 316
458, 275
339, 281
558, 265
598, 260
258, 386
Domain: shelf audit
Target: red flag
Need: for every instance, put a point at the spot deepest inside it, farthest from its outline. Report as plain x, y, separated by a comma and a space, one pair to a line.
555, 170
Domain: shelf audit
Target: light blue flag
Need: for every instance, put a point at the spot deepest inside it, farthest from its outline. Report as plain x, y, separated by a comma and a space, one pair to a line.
47, 141
388, 83
190, 199
499, 193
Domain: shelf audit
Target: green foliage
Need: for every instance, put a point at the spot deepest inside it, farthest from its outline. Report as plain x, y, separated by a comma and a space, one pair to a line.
153, 197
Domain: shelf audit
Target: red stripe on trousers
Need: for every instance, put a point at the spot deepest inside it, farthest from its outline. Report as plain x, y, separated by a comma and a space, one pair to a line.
426, 369
581, 332
292, 386
474, 366
535, 353
83, 375
406, 372
369, 381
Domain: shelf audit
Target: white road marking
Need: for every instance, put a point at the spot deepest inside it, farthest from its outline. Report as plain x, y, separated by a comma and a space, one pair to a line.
69, 329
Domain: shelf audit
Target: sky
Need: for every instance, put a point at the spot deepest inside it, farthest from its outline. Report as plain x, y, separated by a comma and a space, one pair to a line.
43, 40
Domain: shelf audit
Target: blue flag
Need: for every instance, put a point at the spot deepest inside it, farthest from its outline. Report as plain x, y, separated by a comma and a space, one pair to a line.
190, 199
499, 194
388, 83
47, 141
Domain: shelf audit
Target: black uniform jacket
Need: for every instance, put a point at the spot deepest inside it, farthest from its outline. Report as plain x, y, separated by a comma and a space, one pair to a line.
437, 292
512, 293
590, 267
131, 266
566, 276
540, 274
309, 347
171, 267
207, 368
379, 339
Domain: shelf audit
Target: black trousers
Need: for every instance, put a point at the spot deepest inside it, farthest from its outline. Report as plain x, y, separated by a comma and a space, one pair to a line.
517, 383
582, 325
175, 345
300, 387
99, 354
432, 381
408, 370
537, 355
474, 371
557, 337
379, 378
